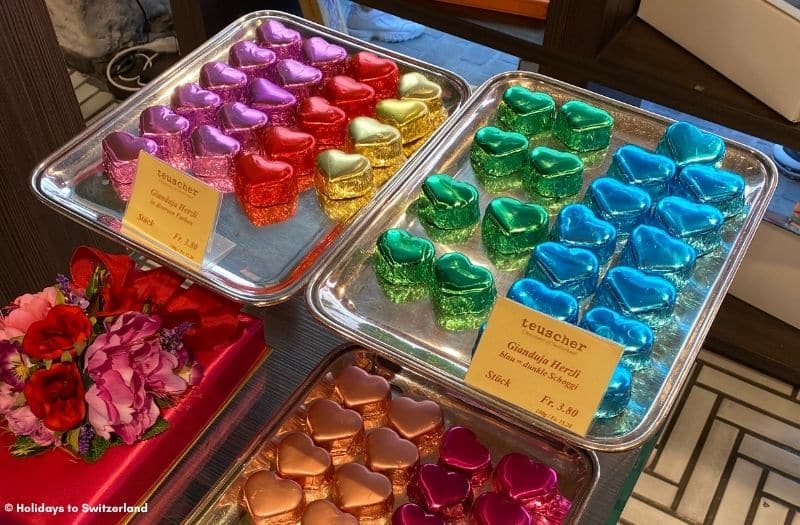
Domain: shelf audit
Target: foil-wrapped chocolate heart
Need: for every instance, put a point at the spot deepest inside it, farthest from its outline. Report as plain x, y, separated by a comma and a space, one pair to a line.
243, 123
279, 105
214, 157
393, 456
296, 148
299, 79
284, 41
265, 189
326, 122
366, 495
226, 81
492, 508
121, 153
328, 58
323, 512
366, 393
298, 459
532, 484
421, 422
380, 143
447, 494
416, 86
197, 105
354, 97
380, 73
338, 430
413, 514
463, 452
252, 59
272, 500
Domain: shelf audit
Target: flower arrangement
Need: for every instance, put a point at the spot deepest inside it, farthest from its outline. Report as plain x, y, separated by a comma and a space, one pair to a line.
91, 362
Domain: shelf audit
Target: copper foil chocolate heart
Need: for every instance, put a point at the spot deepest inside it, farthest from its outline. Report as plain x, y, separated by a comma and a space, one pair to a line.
279, 105
215, 155
299, 79
532, 484
197, 105
281, 40
393, 456
252, 59
366, 495
298, 459
492, 508
323, 512
421, 422
121, 154
294, 147
367, 394
338, 430
413, 514
226, 81
271, 500
463, 452
447, 494
328, 58
244, 124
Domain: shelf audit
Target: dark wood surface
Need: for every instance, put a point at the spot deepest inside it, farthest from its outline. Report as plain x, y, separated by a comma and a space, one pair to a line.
39, 113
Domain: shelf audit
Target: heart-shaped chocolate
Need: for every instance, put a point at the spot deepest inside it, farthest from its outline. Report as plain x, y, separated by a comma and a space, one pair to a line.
380, 143
636, 338
632, 293
380, 73
554, 174
298, 459
535, 294
617, 395
208, 141
296, 148
170, 131
368, 394
445, 493
338, 430
700, 225
416, 86
413, 514
325, 121
226, 81
262, 182
420, 422
364, 494
707, 185
403, 259
323, 512
511, 227
199, 106
532, 484
463, 293
411, 117
392, 456
463, 452
215, 156
448, 204
623, 205
343, 175
270, 499
687, 144
583, 127
354, 97
492, 508
285, 42
121, 154
651, 172
279, 105
499, 154
244, 124
654, 251
254, 60
578, 227
328, 58
528, 112
571, 270
299, 79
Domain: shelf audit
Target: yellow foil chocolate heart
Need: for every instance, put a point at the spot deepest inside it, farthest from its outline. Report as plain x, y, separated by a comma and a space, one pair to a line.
381, 143
343, 175
415, 86
411, 117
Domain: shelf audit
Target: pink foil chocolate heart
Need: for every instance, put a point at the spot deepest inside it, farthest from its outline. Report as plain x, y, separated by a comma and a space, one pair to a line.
121, 154
283, 41
170, 131
279, 105
411, 514
244, 124
532, 484
254, 60
299, 79
197, 105
461, 451
328, 58
492, 508
447, 494
224, 80
215, 155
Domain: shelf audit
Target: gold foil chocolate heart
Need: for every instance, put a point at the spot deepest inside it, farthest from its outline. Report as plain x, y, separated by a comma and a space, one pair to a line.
298, 459
392, 456
415, 86
367, 394
338, 430
343, 175
381, 143
364, 494
420, 422
323, 512
271, 500
411, 117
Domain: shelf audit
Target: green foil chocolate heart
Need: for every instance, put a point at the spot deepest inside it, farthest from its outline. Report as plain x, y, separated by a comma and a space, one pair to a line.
463, 294
448, 208
524, 111
512, 228
404, 264
498, 154
582, 127
553, 175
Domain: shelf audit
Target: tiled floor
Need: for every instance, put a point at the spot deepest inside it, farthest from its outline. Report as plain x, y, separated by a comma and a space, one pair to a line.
94, 102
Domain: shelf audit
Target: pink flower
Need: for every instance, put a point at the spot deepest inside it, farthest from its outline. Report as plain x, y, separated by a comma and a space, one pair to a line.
118, 403
8, 398
22, 422
28, 309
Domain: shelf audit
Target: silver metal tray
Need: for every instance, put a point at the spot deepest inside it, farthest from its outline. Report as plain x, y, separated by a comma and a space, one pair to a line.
345, 295
259, 266
578, 469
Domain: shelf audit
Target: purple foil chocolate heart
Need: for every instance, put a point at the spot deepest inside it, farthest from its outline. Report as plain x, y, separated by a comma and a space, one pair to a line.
262, 91
121, 146
235, 116
274, 32
492, 508
208, 141
320, 50
161, 120
411, 514
219, 74
193, 96
445, 493
461, 451
293, 72
247, 53
534, 485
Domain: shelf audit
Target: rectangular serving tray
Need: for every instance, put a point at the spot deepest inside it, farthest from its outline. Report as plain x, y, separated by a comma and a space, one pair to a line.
345, 295
258, 266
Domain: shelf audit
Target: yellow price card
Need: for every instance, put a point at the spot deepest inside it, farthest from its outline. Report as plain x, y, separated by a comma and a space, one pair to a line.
550, 368
171, 209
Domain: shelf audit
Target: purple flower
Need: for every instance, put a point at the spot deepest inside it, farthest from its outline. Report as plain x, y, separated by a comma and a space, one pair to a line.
118, 403
14, 366
85, 436
22, 422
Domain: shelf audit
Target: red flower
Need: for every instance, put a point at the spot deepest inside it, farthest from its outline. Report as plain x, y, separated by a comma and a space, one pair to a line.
55, 396
64, 327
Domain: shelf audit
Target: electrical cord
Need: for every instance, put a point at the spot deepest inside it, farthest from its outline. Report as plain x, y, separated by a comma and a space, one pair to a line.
125, 60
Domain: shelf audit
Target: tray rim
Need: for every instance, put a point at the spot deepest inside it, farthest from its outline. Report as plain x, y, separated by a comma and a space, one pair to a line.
684, 360
254, 296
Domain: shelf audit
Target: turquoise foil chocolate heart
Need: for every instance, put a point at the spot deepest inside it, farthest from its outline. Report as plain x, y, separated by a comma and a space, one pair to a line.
700, 225
536, 295
687, 144
649, 171
578, 227
404, 260
524, 111
654, 251
633, 293
707, 185
463, 293
511, 227
448, 209
623, 205
498, 154
572, 270
618, 394
635, 337
583, 127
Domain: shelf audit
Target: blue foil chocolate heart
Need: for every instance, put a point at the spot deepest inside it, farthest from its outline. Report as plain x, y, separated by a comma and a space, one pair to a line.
700, 225
535, 294
577, 226
633, 293
571, 270
687, 144
655, 252
649, 171
623, 205
618, 394
722, 189
635, 337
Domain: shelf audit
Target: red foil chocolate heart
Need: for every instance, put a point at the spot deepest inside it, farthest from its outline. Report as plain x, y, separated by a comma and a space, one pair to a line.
420, 422
294, 147
325, 121
197, 105
445, 493
380, 73
492, 508
252, 59
279, 105
244, 124
226, 81
366, 393
266, 189
412, 514
461, 451
534, 485
354, 97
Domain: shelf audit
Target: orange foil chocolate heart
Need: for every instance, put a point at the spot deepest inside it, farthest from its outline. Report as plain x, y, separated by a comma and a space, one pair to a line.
297, 458
393, 456
271, 500
323, 512
421, 422
323, 389
365, 494
367, 394
338, 430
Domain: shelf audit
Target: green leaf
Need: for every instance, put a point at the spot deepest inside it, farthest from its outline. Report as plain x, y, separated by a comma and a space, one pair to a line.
24, 446
97, 448
66, 357
163, 402
71, 439
158, 427
95, 282
60, 299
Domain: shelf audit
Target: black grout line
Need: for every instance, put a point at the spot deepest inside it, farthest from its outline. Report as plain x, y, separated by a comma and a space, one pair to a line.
782, 501
770, 468
769, 440
790, 517
751, 382
662, 509
751, 512
660, 477
748, 405
725, 477
690, 385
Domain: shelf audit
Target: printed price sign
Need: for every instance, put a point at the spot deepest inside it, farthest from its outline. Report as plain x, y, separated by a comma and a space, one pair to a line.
169, 208
551, 368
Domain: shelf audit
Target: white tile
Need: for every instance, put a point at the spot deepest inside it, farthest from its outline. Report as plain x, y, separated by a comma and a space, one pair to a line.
752, 395
640, 513
768, 454
678, 449
84, 91
655, 489
95, 104
759, 423
739, 493
783, 488
707, 471
746, 372
77, 78
770, 513
796, 520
